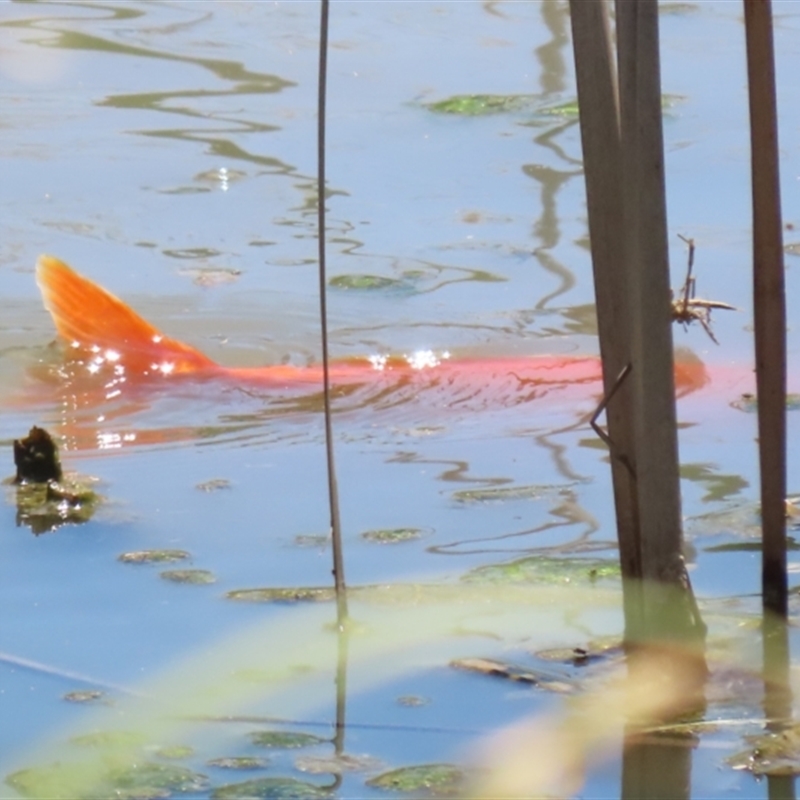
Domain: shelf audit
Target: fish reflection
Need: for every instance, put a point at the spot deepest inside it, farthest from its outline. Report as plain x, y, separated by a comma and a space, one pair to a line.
116, 362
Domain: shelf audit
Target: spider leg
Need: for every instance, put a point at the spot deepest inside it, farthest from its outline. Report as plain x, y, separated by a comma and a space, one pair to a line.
705, 321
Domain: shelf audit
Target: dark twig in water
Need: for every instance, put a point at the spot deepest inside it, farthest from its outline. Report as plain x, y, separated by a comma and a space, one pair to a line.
612, 448
36, 458
687, 308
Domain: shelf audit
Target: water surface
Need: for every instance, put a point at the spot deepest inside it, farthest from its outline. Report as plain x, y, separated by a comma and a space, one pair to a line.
167, 150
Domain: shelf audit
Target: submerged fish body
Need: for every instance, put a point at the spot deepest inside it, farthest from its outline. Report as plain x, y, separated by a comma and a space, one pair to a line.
102, 332
115, 361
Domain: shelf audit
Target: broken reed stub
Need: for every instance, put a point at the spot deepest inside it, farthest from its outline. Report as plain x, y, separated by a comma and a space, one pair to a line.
36, 458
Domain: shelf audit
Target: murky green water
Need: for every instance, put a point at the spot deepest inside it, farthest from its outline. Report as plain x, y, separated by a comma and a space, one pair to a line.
167, 150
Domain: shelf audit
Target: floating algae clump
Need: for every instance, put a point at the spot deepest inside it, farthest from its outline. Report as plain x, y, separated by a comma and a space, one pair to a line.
392, 535
196, 577
152, 556
363, 282
314, 594
238, 762
538, 570
270, 789
484, 105
284, 739
435, 779
481, 105
142, 780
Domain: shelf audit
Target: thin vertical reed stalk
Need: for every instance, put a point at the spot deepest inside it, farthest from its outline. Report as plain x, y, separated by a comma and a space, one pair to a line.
769, 301
599, 122
333, 490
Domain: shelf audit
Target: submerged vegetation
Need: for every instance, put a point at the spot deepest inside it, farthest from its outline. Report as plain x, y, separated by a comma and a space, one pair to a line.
538, 570
153, 556
392, 535
284, 739
481, 105
196, 577
137, 781
45, 507
271, 789
478, 105
206, 710
434, 779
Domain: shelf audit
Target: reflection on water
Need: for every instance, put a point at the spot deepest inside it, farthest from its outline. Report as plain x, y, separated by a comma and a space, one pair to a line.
245, 82
546, 227
565, 516
551, 55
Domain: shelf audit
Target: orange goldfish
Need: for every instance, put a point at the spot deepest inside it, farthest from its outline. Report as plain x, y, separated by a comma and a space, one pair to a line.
106, 334
115, 361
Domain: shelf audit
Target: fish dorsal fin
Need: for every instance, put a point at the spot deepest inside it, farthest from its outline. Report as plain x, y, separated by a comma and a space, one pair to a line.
91, 319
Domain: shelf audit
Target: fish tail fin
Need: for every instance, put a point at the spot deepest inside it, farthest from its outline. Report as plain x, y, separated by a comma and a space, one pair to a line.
89, 318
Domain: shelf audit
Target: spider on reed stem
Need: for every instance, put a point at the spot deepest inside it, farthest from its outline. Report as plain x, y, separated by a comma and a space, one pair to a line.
687, 308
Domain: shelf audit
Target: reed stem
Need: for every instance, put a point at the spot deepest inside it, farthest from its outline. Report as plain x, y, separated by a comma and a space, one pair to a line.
333, 489
769, 302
